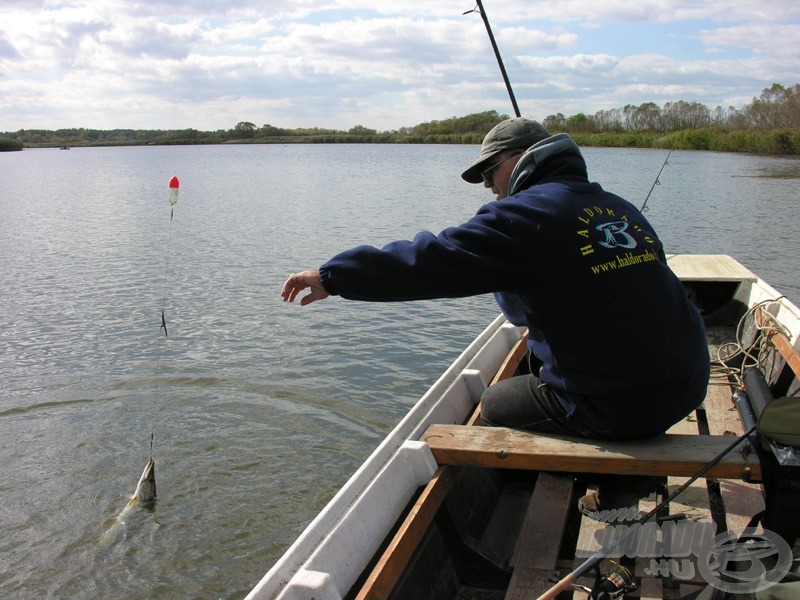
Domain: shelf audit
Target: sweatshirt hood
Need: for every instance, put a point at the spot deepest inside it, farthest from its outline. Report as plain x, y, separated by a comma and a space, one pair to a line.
537, 154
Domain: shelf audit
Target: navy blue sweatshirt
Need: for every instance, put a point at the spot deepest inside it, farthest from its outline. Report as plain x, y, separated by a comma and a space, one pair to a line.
621, 346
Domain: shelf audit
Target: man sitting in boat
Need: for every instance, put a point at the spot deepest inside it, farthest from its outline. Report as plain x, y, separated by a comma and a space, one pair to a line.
616, 351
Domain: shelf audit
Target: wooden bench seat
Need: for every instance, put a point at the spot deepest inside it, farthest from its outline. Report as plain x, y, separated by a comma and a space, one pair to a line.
668, 454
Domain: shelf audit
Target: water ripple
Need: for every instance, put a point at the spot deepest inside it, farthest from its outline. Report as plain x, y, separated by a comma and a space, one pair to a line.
259, 410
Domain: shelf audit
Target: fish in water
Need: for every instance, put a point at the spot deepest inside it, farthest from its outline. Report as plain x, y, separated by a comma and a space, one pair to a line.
146, 488
145, 495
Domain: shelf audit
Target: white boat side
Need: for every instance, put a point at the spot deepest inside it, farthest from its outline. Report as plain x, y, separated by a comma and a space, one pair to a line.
331, 553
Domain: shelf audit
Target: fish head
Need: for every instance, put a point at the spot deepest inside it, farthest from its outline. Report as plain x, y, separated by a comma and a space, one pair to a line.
146, 488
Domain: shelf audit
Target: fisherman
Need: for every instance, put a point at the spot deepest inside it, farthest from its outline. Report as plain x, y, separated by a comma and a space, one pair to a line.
616, 351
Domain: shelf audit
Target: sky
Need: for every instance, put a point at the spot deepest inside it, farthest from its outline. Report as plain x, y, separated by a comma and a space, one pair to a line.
211, 64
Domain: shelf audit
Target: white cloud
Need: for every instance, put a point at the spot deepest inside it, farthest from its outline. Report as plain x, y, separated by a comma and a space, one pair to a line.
777, 40
210, 64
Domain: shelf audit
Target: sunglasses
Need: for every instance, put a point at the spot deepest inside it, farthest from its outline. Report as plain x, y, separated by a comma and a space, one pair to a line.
486, 174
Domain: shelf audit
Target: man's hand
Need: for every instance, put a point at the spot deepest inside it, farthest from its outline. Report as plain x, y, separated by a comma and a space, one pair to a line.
301, 281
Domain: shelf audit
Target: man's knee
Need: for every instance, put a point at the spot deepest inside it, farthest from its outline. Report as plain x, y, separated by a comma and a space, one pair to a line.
490, 400
507, 403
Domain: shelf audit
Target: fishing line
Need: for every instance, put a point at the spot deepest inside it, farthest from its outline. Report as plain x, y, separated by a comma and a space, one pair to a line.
174, 187
145, 493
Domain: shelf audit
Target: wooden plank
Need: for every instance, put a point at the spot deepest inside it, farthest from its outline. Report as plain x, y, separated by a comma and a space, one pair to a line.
693, 501
742, 500
513, 359
781, 343
395, 558
650, 588
790, 355
500, 447
538, 545
709, 267
502, 530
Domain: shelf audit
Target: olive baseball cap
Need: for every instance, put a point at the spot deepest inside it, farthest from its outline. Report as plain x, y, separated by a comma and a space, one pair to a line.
510, 134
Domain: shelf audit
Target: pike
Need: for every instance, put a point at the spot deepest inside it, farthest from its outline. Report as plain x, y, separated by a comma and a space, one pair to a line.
145, 495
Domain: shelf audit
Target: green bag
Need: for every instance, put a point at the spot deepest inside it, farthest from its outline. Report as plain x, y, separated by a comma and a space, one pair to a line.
780, 422
779, 454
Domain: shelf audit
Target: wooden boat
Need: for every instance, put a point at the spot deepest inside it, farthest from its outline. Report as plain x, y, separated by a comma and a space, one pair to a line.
445, 508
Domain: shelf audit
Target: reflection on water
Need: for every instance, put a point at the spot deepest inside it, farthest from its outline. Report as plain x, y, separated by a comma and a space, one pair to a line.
259, 410
778, 170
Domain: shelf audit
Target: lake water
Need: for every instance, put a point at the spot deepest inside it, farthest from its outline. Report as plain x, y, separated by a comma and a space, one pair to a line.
259, 410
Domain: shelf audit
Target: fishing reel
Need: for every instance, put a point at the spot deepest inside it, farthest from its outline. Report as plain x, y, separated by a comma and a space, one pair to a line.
614, 585
611, 586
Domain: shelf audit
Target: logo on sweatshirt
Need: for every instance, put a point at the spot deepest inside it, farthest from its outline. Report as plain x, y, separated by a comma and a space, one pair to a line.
616, 237
604, 229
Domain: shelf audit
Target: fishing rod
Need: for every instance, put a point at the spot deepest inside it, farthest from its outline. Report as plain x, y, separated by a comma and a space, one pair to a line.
614, 585
479, 8
656, 182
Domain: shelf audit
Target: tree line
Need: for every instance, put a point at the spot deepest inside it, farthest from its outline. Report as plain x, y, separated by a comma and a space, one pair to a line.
777, 108
770, 124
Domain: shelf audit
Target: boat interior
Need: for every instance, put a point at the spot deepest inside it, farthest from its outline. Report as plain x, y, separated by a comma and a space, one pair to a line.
499, 519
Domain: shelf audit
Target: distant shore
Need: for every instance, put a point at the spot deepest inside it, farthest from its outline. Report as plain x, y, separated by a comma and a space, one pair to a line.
776, 142
768, 125
10, 145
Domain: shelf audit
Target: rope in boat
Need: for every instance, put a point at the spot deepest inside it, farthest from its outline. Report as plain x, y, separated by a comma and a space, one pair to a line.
752, 344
